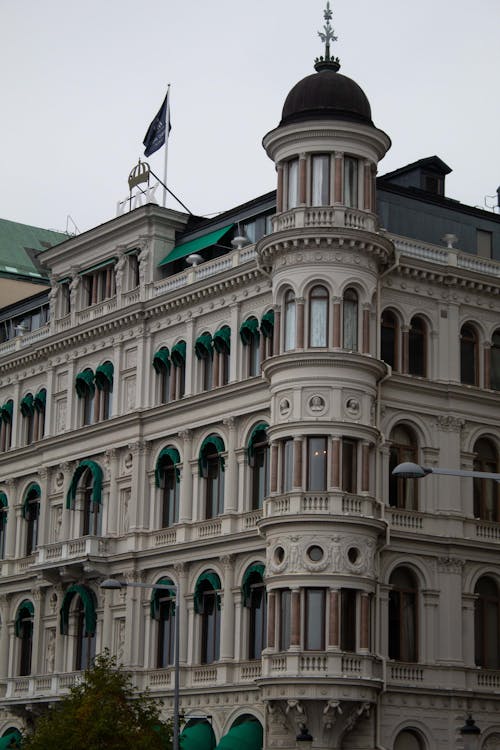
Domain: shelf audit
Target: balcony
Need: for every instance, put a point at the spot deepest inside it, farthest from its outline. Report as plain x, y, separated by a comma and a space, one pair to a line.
73, 552
334, 503
324, 216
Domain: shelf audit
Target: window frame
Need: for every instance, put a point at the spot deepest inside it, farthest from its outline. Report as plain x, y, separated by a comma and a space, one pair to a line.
314, 299
324, 190
400, 647
417, 347
472, 343
350, 313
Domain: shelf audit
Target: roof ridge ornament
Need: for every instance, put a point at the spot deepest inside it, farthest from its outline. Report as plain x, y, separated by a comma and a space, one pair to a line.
328, 62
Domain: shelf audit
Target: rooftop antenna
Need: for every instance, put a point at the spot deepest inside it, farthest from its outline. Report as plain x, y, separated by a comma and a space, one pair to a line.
327, 35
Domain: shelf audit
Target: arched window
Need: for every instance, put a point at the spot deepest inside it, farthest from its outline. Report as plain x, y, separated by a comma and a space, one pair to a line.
178, 357
267, 330
27, 410
24, 631
211, 465
85, 390
104, 383
487, 624
320, 180
350, 182
207, 604
402, 492
78, 618
389, 335
31, 512
86, 490
255, 600
486, 491
292, 183
350, 320
167, 479
39, 403
161, 364
468, 355
11, 739
403, 616
318, 316
6, 413
4, 508
495, 362
204, 351
222, 350
250, 337
417, 345
164, 612
290, 322
258, 460
408, 740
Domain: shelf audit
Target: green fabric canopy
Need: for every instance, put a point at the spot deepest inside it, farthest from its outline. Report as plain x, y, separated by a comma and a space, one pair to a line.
214, 581
26, 405
194, 246
259, 427
7, 411
159, 594
245, 736
166, 454
254, 570
222, 340
4, 503
203, 346
32, 492
217, 442
102, 264
104, 376
11, 739
84, 383
161, 360
40, 400
197, 735
25, 609
89, 606
249, 330
96, 472
267, 324
178, 353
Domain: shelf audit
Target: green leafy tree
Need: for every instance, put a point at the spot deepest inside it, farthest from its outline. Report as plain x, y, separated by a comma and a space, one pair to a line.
103, 712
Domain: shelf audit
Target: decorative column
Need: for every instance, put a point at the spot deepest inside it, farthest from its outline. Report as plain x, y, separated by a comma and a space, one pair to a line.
274, 468
334, 623
59, 660
241, 454
191, 360
140, 452
231, 469
367, 173
405, 345
295, 617
50, 405
297, 462
181, 603
279, 190
12, 530
336, 304
271, 619
299, 301
20, 535
43, 517
133, 618
117, 380
236, 350
67, 468
186, 489
227, 617
17, 422
468, 615
302, 178
335, 462
4, 636
338, 180
277, 331
364, 636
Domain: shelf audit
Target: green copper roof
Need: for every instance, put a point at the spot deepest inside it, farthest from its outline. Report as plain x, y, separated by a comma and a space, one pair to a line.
19, 246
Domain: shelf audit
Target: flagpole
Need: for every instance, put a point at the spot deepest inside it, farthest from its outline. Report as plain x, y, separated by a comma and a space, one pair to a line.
167, 123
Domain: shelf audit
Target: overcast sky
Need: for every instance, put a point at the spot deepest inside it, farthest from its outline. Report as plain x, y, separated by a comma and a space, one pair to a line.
82, 79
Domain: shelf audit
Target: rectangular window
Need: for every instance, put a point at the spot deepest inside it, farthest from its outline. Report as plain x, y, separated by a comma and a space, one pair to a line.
484, 243
315, 620
350, 182
320, 180
285, 619
349, 465
316, 464
348, 620
293, 183
287, 454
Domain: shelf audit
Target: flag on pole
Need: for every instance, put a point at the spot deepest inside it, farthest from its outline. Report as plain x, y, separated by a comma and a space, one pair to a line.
159, 129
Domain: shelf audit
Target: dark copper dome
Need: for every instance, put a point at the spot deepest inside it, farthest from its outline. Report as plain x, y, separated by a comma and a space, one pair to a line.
326, 94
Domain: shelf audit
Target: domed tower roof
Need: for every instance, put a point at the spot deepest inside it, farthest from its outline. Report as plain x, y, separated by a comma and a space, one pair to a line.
326, 93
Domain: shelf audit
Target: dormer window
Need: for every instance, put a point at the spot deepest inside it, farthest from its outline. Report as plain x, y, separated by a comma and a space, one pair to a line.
433, 183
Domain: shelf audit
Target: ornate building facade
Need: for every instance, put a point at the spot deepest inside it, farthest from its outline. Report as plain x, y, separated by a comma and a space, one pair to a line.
230, 424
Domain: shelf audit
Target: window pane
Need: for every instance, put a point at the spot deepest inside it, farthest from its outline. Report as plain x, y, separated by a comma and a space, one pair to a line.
285, 619
293, 183
388, 339
316, 464
320, 192
315, 620
468, 356
348, 620
349, 468
318, 317
350, 182
417, 347
350, 320
289, 321
258, 621
287, 465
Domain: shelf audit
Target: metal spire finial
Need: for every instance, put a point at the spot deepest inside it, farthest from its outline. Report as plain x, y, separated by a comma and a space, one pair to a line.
327, 36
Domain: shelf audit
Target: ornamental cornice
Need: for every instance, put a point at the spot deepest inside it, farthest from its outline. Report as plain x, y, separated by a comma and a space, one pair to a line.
456, 279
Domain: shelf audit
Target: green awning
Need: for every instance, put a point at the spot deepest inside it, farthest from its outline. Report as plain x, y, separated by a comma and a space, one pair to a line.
249, 330
89, 606
11, 739
32, 492
197, 735
4, 503
253, 571
213, 580
217, 442
85, 383
166, 454
26, 406
7, 411
25, 609
178, 353
267, 324
259, 427
98, 266
96, 472
222, 340
203, 346
161, 360
194, 246
40, 400
245, 736
159, 594
104, 376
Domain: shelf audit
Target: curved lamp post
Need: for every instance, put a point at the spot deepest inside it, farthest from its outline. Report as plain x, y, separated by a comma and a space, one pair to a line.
113, 584
470, 733
408, 470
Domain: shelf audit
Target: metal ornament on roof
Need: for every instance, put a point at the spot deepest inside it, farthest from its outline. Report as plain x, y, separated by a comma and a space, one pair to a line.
138, 196
327, 36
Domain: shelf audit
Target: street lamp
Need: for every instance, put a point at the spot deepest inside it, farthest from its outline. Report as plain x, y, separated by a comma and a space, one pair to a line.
407, 470
113, 584
470, 733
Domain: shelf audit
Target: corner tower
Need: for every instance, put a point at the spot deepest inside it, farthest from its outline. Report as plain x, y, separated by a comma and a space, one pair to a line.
322, 520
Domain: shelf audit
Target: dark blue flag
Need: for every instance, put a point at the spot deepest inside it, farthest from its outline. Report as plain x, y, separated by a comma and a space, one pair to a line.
158, 130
